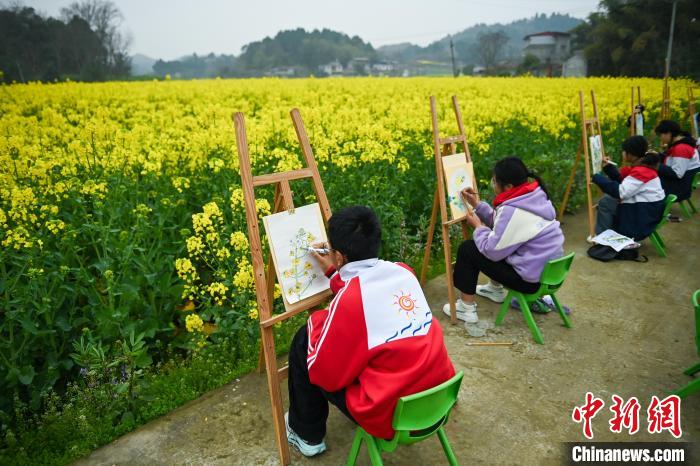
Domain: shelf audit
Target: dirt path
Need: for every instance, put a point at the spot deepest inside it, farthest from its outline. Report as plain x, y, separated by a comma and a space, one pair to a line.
632, 335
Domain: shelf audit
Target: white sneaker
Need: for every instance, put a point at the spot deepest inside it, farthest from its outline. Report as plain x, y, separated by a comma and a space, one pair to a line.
465, 312
304, 447
496, 293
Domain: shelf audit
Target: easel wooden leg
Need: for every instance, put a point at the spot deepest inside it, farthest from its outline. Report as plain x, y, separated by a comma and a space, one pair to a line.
270, 276
429, 242
591, 218
448, 272
465, 231
569, 184
273, 385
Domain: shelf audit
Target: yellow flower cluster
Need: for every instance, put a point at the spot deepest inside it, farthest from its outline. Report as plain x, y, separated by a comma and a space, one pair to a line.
185, 270
244, 276
194, 323
217, 291
181, 183
239, 241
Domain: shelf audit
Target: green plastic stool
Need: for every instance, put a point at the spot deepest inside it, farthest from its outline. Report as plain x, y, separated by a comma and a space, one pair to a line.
655, 237
552, 279
693, 386
416, 418
695, 183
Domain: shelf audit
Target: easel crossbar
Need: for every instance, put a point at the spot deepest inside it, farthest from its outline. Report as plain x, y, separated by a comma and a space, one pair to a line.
452, 139
296, 308
272, 178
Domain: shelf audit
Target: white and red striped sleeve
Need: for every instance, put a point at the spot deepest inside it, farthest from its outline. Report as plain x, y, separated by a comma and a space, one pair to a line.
336, 283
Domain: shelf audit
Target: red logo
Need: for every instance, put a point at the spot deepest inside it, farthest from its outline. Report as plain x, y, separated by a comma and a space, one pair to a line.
665, 415
587, 412
662, 415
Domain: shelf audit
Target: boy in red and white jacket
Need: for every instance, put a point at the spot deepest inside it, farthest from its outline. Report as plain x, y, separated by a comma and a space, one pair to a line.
681, 160
376, 342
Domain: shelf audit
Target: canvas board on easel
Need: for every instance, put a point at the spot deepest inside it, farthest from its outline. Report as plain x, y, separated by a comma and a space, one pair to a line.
459, 174
639, 123
290, 234
596, 151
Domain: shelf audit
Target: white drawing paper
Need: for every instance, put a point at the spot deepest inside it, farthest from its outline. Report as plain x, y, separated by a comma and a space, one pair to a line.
639, 123
613, 239
289, 236
459, 174
596, 153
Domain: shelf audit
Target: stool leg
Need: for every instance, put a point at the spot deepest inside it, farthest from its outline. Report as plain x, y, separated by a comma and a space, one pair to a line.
536, 334
657, 242
355, 449
692, 370
504, 308
689, 389
446, 447
564, 317
375, 456
684, 208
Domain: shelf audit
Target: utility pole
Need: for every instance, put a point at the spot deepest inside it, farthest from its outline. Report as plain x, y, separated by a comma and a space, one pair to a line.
670, 40
666, 104
452, 52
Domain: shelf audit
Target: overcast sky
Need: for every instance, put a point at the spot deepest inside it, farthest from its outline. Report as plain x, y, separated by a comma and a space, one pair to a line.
169, 29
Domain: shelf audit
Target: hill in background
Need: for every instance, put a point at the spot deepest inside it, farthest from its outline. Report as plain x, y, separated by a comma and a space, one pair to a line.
298, 52
466, 41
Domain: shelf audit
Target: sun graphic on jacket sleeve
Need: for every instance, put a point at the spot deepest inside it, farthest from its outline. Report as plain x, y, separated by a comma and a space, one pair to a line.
406, 303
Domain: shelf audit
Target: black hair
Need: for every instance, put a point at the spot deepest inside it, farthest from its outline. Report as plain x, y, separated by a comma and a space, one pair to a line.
512, 170
355, 232
636, 146
668, 126
651, 159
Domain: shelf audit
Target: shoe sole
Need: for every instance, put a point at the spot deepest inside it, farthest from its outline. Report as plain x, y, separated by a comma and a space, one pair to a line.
294, 442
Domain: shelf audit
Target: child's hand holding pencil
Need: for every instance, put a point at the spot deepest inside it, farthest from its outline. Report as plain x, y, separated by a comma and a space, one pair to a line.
321, 252
470, 197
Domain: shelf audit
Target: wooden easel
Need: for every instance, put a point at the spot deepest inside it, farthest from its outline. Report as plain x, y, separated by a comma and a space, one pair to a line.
589, 127
449, 147
265, 277
666, 102
633, 111
691, 111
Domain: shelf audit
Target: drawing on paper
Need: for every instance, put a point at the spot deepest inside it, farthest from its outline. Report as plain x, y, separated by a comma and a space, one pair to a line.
596, 153
290, 235
301, 271
639, 123
459, 174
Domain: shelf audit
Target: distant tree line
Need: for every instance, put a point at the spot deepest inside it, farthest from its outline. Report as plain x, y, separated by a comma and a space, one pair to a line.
630, 38
194, 66
297, 49
85, 44
306, 50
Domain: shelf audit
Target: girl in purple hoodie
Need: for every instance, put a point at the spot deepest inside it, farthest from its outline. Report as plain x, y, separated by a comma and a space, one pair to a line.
511, 242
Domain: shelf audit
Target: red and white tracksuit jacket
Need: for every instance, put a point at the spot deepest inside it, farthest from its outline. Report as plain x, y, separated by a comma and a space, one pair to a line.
378, 340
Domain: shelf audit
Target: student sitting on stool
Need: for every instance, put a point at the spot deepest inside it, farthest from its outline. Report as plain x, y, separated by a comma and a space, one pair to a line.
376, 342
634, 199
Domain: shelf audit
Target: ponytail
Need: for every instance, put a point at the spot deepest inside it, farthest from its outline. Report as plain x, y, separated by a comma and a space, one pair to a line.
651, 159
543, 187
511, 170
